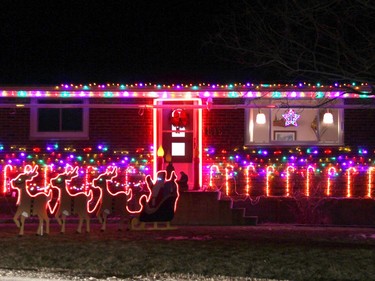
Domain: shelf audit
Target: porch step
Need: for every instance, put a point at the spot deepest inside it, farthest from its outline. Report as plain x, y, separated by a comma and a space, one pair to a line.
250, 220
240, 217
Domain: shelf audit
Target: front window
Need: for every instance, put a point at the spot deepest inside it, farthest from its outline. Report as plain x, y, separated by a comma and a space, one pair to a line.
70, 121
297, 122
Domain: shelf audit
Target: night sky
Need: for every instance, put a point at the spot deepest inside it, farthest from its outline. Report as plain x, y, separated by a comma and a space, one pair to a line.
53, 42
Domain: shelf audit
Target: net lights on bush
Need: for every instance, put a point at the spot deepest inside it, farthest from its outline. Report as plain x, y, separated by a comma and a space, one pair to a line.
52, 162
306, 168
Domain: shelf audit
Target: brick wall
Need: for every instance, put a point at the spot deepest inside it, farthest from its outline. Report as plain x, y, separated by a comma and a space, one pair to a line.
120, 129
359, 124
129, 129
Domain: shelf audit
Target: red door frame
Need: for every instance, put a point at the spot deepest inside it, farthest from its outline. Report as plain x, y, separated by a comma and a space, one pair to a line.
197, 132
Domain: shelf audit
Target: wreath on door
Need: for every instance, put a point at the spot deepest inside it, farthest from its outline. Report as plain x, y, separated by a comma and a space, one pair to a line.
179, 118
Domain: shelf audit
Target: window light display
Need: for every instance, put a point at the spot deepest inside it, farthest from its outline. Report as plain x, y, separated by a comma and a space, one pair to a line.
291, 118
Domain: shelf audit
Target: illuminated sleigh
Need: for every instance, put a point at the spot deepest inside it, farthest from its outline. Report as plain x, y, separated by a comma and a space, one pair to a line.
30, 203
70, 202
160, 205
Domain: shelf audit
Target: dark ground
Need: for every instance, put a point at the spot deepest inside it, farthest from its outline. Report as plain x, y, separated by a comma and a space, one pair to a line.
193, 252
283, 232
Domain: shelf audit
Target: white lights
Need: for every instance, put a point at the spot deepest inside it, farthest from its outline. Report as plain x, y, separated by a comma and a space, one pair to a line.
261, 118
328, 118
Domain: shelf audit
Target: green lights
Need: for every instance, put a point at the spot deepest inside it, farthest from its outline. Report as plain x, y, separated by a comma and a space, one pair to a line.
22, 94
108, 94
65, 94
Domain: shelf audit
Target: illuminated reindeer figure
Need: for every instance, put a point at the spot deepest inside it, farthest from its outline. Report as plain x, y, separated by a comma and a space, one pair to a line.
70, 203
30, 204
110, 202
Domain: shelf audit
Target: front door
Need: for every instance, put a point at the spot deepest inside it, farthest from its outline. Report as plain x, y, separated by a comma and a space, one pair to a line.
178, 131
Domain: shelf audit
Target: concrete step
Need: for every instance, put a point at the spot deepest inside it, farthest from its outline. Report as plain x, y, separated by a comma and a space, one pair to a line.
250, 220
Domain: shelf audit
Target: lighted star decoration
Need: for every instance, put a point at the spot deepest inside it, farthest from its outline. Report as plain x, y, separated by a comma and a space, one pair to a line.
291, 118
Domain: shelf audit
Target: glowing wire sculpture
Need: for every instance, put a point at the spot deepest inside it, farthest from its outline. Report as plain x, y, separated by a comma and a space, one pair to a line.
46, 179
350, 172
269, 171
289, 169
5, 180
249, 169
331, 172
227, 176
369, 184
309, 170
212, 169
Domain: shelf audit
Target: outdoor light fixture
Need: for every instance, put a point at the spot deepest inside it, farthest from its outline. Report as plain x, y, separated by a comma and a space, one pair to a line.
261, 118
328, 118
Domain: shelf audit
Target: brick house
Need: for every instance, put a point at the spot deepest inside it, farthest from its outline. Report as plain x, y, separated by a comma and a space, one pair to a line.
291, 167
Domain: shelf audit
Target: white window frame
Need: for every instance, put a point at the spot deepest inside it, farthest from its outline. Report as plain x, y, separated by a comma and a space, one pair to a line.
80, 135
251, 126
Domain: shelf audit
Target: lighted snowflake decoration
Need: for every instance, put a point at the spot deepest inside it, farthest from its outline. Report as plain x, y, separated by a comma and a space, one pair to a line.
291, 118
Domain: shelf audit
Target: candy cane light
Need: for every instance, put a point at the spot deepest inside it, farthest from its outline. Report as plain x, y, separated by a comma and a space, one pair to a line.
269, 171
309, 170
5, 179
227, 176
212, 169
369, 184
331, 172
350, 173
249, 169
289, 169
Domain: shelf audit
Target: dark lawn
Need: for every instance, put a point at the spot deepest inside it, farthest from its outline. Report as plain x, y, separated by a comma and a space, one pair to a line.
263, 251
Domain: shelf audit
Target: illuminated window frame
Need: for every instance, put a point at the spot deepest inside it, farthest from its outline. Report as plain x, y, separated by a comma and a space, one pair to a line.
75, 135
269, 106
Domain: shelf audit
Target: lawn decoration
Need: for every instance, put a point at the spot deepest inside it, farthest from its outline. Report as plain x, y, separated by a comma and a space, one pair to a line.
113, 197
71, 202
160, 205
30, 204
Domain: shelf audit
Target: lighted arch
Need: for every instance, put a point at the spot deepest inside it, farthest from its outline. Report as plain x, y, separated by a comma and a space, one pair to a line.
289, 169
350, 172
310, 170
331, 172
5, 180
212, 169
269, 171
227, 168
249, 169
369, 184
